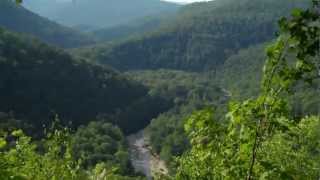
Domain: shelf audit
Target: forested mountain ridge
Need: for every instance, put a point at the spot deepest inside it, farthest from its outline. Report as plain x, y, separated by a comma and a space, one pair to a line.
38, 81
201, 38
105, 14
16, 18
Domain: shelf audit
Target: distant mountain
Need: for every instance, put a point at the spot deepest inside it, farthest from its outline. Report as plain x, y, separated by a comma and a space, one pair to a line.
134, 28
100, 13
45, 8
19, 19
201, 38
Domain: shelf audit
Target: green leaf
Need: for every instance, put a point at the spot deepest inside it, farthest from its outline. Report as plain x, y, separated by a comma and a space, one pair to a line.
3, 143
296, 12
17, 133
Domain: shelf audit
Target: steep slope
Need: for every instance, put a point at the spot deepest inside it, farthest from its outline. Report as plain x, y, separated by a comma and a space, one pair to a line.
38, 81
242, 72
103, 14
19, 19
201, 38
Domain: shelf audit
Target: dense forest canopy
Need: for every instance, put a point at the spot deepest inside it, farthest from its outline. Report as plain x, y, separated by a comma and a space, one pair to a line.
201, 38
38, 81
133, 28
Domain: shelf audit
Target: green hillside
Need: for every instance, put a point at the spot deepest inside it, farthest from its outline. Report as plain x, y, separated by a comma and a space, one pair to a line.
201, 38
38, 81
242, 72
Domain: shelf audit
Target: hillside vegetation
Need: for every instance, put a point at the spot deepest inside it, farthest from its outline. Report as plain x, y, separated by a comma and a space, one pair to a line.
188, 92
134, 28
260, 137
38, 81
201, 38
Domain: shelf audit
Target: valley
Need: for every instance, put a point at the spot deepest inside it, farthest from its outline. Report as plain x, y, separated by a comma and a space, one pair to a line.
153, 90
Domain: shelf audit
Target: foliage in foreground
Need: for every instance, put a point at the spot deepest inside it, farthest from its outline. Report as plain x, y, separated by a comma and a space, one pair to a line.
261, 139
216, 153
23, 159
19, 158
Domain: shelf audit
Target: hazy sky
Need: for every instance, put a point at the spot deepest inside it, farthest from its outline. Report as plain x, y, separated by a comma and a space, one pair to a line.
177, 1
185, 1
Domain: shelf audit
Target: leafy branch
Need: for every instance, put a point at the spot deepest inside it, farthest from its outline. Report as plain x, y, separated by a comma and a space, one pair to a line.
248, 146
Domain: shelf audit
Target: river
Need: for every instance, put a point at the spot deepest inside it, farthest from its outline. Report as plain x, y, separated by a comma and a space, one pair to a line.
142, 158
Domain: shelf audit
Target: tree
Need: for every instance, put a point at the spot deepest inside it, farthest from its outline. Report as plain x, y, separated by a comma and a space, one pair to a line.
260, 136
21, 159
